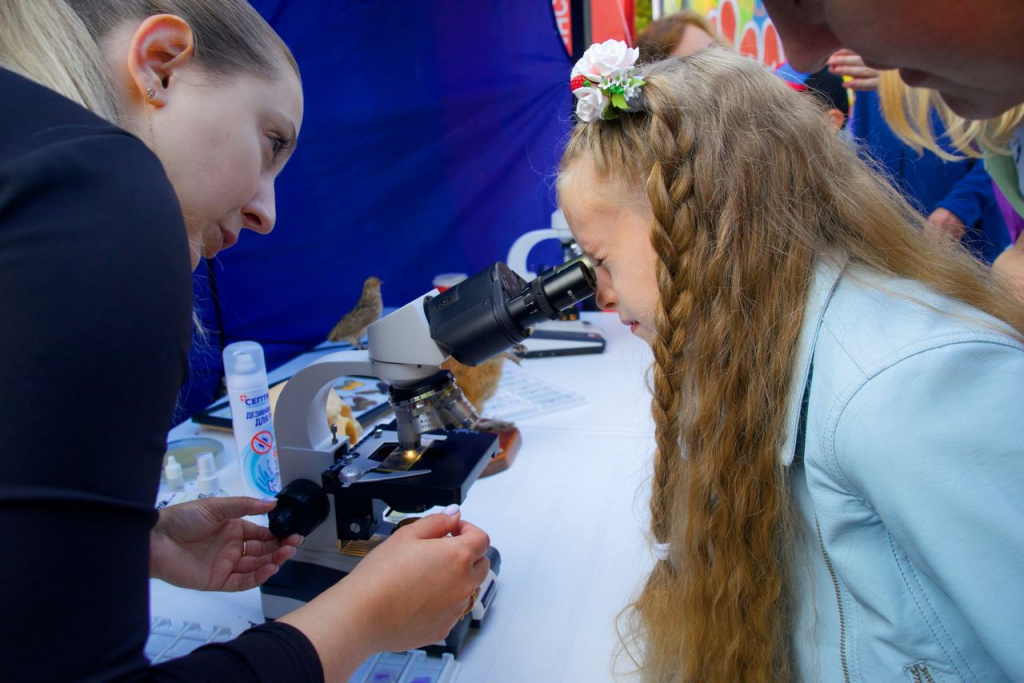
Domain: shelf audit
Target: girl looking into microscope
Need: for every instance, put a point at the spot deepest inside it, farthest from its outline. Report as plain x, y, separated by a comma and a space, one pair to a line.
835, 396
100, 227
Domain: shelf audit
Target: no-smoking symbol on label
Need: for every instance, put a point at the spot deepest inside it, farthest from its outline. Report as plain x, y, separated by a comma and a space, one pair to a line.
262, 442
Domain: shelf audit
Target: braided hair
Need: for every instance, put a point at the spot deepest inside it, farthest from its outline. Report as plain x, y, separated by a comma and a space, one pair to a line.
748, 186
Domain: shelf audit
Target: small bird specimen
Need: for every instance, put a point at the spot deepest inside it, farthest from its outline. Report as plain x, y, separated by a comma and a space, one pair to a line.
353, 324
481, 382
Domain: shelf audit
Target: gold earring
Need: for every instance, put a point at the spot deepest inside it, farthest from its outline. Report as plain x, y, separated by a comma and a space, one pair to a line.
150, 93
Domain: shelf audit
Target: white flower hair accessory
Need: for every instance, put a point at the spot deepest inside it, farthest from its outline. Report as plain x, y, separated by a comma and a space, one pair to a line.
604, 79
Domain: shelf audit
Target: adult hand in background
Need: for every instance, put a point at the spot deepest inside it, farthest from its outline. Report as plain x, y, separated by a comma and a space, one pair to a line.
406, 593
944, 224
848, 63
205, 545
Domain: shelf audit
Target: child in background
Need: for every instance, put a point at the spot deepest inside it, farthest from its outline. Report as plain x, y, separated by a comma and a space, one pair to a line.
824, 86
834, 395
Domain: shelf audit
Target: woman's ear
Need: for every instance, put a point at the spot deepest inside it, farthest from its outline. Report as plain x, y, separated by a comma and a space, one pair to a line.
161, 45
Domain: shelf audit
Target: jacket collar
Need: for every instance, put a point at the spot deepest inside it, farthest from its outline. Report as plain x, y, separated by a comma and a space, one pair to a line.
824, 279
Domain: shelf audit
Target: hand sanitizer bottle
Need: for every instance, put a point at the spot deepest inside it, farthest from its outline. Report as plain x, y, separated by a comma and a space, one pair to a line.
251, 421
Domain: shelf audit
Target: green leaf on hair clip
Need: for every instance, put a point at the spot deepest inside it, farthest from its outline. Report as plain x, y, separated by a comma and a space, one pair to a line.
618, 101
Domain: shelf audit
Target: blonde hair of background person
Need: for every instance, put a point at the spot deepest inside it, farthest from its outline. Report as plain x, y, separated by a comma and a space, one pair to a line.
665, 37
45, 41
748, 185
908, 111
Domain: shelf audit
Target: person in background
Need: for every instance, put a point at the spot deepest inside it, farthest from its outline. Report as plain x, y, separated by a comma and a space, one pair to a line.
955, 193
967, 53
687, 31
830, 91
678, 35
838, 465
100, 226
825, 87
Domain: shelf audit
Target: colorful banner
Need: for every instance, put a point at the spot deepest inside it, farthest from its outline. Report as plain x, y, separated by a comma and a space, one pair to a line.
670, 6
744, 24
615, 19
563, 20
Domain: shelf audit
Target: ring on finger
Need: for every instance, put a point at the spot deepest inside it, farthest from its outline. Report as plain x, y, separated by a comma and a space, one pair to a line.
244, 549
472, 602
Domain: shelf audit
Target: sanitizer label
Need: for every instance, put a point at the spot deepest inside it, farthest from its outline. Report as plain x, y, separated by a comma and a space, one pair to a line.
254, 439
262, 442
259, 464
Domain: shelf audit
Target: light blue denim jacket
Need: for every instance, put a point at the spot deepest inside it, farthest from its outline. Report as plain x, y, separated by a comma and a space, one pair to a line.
909, 561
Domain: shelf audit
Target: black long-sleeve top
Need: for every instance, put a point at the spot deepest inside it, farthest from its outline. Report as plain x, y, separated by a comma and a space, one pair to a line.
95, 315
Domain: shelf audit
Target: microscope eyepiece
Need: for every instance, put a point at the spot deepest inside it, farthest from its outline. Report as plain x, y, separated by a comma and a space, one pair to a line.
495, 309
553, 292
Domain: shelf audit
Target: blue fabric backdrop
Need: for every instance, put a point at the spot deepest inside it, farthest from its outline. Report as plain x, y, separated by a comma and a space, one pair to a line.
431, 136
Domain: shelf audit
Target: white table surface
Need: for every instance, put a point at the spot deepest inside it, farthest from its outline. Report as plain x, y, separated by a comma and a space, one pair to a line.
569, 518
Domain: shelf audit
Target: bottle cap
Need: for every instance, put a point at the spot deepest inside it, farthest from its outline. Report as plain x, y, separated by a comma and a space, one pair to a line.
244, 363
243, 358
208, 479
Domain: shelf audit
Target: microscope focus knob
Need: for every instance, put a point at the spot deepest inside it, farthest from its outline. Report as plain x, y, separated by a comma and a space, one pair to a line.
301, 507
350, 474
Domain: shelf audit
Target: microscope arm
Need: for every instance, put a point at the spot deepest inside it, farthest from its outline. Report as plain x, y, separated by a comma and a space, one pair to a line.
299, 422
402, 350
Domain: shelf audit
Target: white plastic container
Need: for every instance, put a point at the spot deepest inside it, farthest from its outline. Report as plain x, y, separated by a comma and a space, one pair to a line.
246, 375
174, 474
208, 481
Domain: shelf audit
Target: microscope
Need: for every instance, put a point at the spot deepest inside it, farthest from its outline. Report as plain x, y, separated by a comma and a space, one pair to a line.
337, 495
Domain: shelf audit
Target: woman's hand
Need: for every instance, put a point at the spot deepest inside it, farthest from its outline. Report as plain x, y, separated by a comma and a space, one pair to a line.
203, 544
408, 592
419, 582
848, 63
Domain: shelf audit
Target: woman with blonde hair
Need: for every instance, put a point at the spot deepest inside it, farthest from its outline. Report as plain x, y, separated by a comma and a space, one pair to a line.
100, 227
955, 193
999, 141
836, 484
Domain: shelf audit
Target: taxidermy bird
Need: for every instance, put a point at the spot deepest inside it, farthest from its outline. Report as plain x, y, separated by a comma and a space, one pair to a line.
353, 324
481, 382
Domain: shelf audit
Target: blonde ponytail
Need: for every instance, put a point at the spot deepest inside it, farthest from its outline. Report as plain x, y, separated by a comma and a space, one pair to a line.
45, 41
